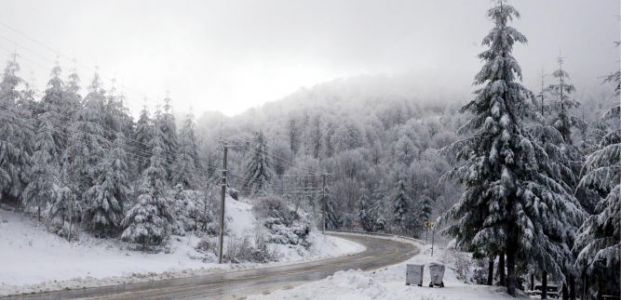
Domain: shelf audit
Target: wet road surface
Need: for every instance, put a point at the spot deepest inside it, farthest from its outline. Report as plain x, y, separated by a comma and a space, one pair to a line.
379, 252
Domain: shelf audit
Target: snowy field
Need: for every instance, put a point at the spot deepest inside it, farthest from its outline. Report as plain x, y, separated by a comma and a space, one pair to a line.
33, 259
389, 283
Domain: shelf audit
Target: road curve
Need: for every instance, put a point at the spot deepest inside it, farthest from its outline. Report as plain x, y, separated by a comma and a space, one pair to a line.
379, 252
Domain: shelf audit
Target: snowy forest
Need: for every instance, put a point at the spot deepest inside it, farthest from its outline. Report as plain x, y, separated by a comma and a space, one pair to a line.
526, 178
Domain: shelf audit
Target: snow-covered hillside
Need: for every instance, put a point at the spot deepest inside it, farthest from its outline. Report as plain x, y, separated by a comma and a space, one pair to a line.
389, 283
33, 259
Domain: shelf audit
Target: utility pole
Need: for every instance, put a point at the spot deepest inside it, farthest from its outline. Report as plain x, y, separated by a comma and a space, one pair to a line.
433, 236
323, 203
222, 203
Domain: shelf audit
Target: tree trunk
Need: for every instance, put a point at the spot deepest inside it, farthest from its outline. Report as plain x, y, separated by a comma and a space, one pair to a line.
490, 271
572, 287
532, 281
511, 276
585, 285
501, 270
600, 288
544, 285
565, 292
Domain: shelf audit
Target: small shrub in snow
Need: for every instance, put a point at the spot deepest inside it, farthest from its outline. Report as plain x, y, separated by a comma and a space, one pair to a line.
233, 193
244, 250
207, 245
285, 225
193, 211
479, 274
64, 214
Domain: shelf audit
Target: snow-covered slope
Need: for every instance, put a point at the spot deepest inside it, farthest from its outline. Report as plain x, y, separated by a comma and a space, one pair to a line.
33, 259
389, 283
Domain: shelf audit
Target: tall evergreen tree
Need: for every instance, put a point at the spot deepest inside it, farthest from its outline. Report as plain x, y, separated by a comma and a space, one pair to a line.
105, 201
562, 103
15, 135
509, 206
332, 217
186, 170
366, 213
258, 168
72, 97
86, 141
401, 209
598, 245
168, 127
426, 205
149, 221
54, 104
142, 139
43, 183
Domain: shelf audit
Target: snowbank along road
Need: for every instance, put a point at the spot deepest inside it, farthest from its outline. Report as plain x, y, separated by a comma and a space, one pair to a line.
379, 252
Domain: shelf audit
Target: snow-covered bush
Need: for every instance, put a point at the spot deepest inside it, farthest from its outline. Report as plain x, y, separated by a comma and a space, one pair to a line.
234, 193
64, 214
285, 225
245, 250
193, 211
480, 273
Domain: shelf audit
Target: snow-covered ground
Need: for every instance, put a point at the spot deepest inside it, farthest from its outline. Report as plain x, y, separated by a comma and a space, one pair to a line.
389, 283
33, 259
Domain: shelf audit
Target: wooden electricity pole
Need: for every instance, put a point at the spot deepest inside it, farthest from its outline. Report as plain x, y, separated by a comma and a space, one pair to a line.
323, 203
222, 204
433, 236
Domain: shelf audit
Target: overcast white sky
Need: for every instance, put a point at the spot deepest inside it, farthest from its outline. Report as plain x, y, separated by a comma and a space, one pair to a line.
230, 55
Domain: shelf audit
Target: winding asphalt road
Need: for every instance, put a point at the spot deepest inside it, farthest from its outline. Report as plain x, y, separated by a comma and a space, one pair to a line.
379, 252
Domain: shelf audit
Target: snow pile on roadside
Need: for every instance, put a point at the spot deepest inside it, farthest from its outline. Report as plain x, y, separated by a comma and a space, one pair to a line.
322, 247
29, 255
389, 283
34, 260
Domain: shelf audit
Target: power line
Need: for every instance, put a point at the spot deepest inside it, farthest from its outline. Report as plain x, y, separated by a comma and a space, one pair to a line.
58, 53
279, 158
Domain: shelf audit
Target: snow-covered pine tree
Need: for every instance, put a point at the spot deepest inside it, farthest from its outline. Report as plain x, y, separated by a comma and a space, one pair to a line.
332, 217
54, 105
86, 141
258, 168
186, 170
16, 132
105, 201
509, 206
366, 213
426, 205
401, 209
142, 137
69, 107
168, 128
43, 176
149, 221
562, 103
65, 210
598, 244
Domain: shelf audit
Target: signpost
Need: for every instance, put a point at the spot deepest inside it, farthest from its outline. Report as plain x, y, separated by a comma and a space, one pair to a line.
430, 225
